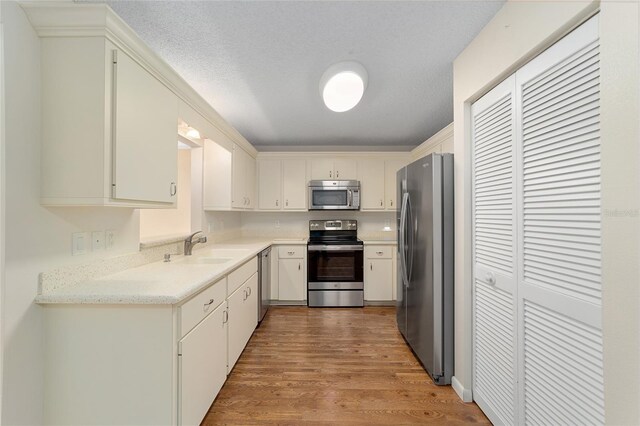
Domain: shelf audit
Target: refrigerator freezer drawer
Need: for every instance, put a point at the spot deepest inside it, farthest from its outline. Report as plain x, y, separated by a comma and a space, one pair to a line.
336, 298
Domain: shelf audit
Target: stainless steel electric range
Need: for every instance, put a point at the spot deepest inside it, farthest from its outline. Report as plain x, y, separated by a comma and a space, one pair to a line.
335, 264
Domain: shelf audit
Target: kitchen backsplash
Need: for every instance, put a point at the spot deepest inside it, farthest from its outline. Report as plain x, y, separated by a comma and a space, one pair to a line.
374, 225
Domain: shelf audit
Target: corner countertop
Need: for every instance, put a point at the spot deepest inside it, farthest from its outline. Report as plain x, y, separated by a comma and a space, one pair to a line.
161, 283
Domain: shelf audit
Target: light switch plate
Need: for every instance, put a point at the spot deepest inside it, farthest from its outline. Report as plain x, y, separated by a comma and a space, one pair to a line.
97, 240
79, 243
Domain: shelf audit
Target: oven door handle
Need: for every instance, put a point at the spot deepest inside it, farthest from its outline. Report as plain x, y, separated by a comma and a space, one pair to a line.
335, 248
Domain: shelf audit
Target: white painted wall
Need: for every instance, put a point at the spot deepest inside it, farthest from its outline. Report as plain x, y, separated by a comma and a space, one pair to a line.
2, 222
37, 238
518, 32
620, 134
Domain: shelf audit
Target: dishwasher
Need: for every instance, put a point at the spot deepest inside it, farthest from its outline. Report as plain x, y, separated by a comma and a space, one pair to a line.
264, 282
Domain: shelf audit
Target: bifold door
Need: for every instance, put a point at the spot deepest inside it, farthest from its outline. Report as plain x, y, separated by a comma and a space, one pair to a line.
537, 246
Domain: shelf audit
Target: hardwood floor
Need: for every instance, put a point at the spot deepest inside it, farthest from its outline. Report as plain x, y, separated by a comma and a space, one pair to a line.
333, 366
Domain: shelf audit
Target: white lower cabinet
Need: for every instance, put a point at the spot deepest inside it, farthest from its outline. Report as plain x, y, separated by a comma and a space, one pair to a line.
379, 273
202, 366
147, 364
292, 273
292, 281
243, 318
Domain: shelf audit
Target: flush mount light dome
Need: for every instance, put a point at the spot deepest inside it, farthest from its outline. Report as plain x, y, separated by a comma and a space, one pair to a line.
342, 85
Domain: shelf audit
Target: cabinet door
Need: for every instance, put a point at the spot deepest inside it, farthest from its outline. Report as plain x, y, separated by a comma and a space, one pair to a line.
243, 318
269, 184
292, 282
238, 177
391, 168
345, 169
378, 279
145, 123
250, 181
372, 183
217, 168
202, 365
322, 168
294, 187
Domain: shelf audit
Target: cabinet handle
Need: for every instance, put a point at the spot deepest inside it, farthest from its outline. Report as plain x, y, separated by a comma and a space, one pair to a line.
299, 266
371, 266
287, 203
249, 290
225, 316
291, 253
206, 305
337, 173
173, 189
381, 203
391, 203
276, 203
379, 253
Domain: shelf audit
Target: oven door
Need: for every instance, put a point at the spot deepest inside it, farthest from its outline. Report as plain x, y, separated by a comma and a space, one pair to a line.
334, 264
331, 199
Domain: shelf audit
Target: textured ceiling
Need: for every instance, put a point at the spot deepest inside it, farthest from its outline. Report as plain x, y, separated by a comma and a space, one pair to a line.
258, 63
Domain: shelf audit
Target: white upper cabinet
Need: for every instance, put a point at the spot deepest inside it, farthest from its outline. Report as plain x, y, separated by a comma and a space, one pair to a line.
270, 184
216, 187
243, 179
391, 168
333, 169
145, 124
282, 184
372, 184
294, 184
109, 127
229, 177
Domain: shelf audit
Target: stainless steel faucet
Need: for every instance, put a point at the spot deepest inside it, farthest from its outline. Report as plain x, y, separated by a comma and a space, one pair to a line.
189, 242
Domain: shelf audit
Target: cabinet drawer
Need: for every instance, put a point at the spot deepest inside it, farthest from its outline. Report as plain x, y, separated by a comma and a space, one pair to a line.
242, 274
294, 252
201, 305
378, 252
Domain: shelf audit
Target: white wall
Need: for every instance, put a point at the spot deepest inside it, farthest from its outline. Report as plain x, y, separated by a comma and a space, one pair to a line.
37, 239
518, 32
620, 151
2, 165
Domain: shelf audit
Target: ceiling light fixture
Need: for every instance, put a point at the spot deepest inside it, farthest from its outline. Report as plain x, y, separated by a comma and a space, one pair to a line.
342, 85
193, 133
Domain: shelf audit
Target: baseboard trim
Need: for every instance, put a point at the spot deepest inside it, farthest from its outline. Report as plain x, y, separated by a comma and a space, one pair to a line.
464, 394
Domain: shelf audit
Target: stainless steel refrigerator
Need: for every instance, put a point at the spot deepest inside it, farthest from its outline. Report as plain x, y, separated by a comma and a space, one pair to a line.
425, 262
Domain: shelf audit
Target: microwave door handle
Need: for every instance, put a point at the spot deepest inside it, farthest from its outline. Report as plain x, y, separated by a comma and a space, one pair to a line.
349, 198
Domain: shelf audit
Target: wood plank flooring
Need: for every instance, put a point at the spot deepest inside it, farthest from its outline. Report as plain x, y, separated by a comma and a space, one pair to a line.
333, 366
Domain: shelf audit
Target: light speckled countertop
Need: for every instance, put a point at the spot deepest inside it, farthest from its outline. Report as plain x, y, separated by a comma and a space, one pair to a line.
163, 283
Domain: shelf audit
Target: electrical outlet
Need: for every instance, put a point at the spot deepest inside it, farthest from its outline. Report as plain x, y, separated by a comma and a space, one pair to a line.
109, 239
277, 224
79, 243
97, 240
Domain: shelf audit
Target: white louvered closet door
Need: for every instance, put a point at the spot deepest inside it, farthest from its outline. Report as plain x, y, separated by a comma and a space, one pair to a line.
559, 284
494, 248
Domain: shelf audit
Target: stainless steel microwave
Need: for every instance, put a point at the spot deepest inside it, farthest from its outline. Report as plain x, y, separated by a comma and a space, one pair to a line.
334, 195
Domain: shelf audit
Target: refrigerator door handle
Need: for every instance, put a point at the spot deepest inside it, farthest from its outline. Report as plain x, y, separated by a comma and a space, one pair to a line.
410, 233
403, 242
